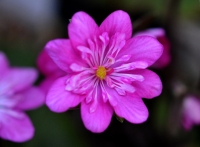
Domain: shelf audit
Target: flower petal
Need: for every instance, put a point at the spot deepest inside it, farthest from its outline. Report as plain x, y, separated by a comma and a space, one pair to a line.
191, 109
18, 79
31, 98
150, 87
187, 123
131, 107
46, 65
81, 28
58, 99
142, 48
118, 21
4, 63
62, 53
154, 32
159, 34
98, 120
190, 112
47, 82
16, 128
165, 58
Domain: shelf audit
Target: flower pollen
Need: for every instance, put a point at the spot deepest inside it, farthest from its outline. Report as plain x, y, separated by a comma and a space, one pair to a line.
101, 72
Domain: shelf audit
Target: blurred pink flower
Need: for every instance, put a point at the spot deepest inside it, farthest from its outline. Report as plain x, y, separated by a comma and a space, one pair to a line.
191, 112
159, 34
49, 69
17, 95
106, 70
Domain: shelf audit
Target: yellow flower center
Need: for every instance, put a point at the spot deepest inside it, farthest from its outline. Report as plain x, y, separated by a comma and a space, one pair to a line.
101, 72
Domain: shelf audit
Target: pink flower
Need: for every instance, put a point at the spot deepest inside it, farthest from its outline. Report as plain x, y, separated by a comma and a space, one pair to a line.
106, 70
49, 69
159, 34
16, 96
191, 112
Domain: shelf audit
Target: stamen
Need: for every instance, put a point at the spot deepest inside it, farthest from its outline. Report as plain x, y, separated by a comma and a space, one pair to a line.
101, 72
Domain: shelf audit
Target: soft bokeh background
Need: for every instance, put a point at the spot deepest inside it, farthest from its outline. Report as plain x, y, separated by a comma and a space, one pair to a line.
26, 26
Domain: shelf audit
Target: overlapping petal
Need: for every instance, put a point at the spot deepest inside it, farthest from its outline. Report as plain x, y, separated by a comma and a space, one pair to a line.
98, 120
142, 48
47, 82
165, 58
31, 98
191, 108
15, 126
4, 64
155, 32
58, 99
190, 112
150, 87
130, 106
18, 79
62, 53
118, 21
46, 65
9, 102
159, 34
81, 28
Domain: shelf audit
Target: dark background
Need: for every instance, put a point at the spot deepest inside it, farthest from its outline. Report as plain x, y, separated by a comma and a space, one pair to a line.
26, 26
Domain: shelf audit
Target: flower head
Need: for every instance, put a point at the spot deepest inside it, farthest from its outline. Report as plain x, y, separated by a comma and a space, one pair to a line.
191, 112
159, 34
17, 95
106, 70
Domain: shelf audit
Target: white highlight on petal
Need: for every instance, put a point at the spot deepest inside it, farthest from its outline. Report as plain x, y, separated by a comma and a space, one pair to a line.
76, 68
89, 97
9, 102
120, 91
105, 40
12, 113
93, 107
124, 58
116, 43
127, 77
84, 49
106, 96
131, 66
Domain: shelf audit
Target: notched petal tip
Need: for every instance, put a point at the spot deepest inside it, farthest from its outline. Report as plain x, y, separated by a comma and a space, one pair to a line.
130, 107
113, 23
81, 28
99, 120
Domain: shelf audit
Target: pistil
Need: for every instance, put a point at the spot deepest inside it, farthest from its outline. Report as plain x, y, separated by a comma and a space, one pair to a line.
101, 72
